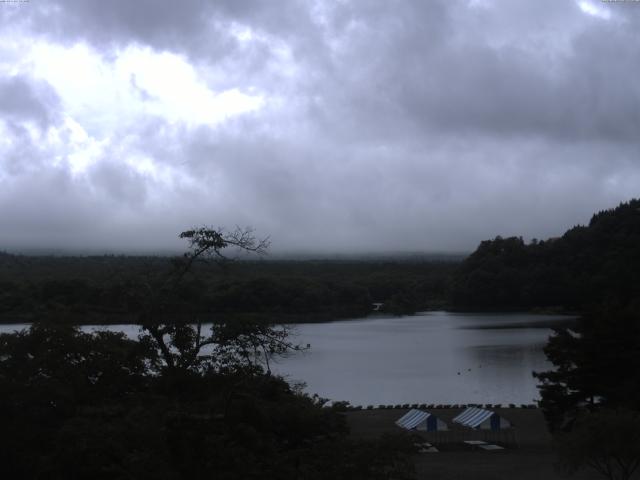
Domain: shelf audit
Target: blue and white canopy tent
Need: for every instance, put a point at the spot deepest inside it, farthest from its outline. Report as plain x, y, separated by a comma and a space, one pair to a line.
422, 421
479, 418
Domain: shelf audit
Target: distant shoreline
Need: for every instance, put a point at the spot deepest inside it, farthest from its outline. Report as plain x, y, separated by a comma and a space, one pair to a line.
102, 318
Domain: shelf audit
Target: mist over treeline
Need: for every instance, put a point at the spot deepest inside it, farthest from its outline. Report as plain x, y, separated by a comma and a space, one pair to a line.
586, 265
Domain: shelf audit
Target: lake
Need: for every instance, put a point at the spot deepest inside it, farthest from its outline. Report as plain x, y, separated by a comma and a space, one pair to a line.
433, 357
430, 357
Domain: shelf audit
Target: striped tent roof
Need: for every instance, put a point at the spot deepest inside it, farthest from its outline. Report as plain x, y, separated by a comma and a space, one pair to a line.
473, 416
412, 419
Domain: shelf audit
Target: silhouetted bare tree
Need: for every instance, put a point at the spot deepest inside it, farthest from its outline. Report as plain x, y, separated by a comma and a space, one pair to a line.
184, 342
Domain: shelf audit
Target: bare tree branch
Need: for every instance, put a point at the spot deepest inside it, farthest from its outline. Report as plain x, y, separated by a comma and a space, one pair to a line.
180, 343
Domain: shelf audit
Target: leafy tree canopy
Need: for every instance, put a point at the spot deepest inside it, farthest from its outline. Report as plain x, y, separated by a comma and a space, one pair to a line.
595, 365
586, 266
180, 402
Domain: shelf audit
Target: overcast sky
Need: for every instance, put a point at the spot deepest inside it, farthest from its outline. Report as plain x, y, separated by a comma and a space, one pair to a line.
336, 126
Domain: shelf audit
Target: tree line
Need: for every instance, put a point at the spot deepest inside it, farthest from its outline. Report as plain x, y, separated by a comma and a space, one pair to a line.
583, 268
103, 289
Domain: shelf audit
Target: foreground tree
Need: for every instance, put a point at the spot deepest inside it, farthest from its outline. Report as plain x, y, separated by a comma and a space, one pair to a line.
177, 403
51, 374
607, 441
182, 340
591, 400
596, 365
75, 405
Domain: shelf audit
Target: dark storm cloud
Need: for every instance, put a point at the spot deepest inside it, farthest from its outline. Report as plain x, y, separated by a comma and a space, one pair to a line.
352, 197
197, 28
386, 125
404, 63
507, 91
44, 210
118, 183
401, 63
22, 99
160, 23
411, 72
25, 103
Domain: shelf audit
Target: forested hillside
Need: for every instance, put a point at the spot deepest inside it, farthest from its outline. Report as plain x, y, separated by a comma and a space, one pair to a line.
587, 265
110, 288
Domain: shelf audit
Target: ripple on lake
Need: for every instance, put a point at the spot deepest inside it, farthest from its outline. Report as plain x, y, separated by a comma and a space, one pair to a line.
434, 357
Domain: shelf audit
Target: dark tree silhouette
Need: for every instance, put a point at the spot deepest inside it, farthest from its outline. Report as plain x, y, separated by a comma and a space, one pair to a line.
177, 403
596, 365
584, 267
182, 341
607, 441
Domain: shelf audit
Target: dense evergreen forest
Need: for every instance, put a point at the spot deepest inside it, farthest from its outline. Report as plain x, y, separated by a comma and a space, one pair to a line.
591, 398
582, 268
107, 289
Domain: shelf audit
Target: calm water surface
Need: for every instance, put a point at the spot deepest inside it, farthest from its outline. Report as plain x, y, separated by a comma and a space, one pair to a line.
433, 357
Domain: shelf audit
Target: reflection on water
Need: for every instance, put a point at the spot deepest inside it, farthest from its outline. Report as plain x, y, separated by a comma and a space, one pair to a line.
433, 357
